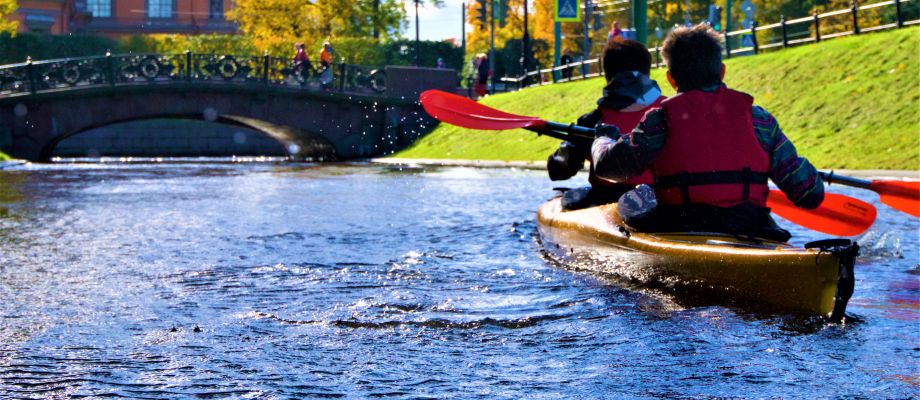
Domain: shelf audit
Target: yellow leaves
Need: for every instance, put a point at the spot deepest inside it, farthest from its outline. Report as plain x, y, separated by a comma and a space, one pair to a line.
671, 8
275, 25
8, 7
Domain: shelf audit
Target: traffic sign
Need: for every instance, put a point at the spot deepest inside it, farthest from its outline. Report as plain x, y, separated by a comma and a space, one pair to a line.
567, 11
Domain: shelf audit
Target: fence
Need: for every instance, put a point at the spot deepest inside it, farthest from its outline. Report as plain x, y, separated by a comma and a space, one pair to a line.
33, 77
755, 40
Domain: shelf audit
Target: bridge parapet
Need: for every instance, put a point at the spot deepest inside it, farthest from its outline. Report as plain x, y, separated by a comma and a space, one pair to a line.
32, 77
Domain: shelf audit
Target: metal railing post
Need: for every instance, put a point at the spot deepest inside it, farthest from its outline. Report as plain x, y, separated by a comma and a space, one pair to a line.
782, 21
754, 37
817, 28
728, 46
342, 72
188, 65
897, 13
855, 10
30, 70
110, 68
265, 59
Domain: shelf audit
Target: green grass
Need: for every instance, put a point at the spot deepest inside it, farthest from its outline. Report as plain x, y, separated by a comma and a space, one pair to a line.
4, 156
845, 103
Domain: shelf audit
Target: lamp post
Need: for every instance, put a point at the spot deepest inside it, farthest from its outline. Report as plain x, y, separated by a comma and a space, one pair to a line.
640, 19
492, 40
526, 62
418, 54
463, 29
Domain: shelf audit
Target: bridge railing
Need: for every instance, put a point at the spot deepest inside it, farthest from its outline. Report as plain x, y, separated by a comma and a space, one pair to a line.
32, 77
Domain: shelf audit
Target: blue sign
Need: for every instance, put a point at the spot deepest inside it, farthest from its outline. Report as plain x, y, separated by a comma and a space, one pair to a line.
747, 41
567, 11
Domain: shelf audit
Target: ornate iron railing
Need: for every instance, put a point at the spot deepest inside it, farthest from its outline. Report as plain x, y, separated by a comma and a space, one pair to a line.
33, 77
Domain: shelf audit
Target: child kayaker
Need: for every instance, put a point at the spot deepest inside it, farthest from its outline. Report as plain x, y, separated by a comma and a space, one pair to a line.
710, 150
629, 93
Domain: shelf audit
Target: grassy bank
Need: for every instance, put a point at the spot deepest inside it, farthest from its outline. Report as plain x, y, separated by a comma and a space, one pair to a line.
846, 103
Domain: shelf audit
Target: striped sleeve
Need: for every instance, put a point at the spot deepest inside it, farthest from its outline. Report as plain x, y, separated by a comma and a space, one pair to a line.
794, 175
627, 157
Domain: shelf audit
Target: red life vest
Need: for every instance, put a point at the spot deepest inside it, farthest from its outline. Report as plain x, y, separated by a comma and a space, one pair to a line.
625, 121
711, 154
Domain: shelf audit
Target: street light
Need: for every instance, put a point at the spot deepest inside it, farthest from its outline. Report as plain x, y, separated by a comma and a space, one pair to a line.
418, 54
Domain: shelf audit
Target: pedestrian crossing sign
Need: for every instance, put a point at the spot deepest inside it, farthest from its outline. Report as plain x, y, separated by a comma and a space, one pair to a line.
567, 11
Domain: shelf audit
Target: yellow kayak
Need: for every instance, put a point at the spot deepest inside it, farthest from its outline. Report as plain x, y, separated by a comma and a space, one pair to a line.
816, 279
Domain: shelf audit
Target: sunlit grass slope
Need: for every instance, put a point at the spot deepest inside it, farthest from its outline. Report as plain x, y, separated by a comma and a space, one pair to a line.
845, 103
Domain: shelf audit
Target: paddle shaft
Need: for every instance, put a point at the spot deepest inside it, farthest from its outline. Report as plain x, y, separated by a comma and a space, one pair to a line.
846, 180
571, 130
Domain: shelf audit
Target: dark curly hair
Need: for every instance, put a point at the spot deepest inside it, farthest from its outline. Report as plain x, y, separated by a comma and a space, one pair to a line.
625, 55
694, 57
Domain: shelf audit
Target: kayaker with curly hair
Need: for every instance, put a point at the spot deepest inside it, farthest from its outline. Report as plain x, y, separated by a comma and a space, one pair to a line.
710, 150
628, 95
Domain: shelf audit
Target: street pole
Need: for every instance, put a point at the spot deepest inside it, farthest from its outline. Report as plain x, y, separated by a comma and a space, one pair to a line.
640, 19
525, 65
492, 41
728, 16
587, 36
418, 54
557, 46
728, 20
463, 31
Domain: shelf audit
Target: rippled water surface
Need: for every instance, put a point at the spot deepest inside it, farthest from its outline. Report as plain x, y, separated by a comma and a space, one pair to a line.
298, 281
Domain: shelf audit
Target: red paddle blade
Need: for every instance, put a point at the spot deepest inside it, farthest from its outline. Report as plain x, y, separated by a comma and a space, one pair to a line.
838, 215
466, 113
904, 196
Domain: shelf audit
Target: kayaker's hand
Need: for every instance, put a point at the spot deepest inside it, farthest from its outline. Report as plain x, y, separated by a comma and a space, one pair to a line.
590, 119
572, 151
566, 161
604, 130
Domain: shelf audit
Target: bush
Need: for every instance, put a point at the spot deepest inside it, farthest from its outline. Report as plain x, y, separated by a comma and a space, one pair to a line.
172, 44
402, 52
44, 47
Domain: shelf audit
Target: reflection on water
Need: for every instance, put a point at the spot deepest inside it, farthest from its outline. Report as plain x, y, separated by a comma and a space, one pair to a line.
298, 280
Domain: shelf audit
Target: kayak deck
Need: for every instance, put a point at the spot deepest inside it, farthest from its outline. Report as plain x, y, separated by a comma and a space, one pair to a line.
777, 274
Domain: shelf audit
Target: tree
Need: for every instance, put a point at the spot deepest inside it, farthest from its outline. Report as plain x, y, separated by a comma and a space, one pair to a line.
275, 25
7, 8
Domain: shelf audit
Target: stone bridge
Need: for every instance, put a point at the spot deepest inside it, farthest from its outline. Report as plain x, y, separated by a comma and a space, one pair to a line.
354, 116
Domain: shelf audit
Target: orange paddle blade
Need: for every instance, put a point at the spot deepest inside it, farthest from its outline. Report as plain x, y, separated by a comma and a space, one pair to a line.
904, 196
466, 113
838, 215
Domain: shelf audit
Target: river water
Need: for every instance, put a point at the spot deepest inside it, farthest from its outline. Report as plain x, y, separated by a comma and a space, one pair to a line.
301, 281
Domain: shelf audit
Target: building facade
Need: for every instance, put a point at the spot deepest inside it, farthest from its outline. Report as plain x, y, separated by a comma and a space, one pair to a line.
124, 17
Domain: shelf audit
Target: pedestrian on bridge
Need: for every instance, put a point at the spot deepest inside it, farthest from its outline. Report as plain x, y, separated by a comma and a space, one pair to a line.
302, 65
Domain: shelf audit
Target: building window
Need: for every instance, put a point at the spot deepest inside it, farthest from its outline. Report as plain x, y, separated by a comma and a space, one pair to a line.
99, 8
216, 9
159, 8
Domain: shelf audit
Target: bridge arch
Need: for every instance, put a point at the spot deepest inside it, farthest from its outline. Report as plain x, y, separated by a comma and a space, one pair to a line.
291, 142
310, 124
